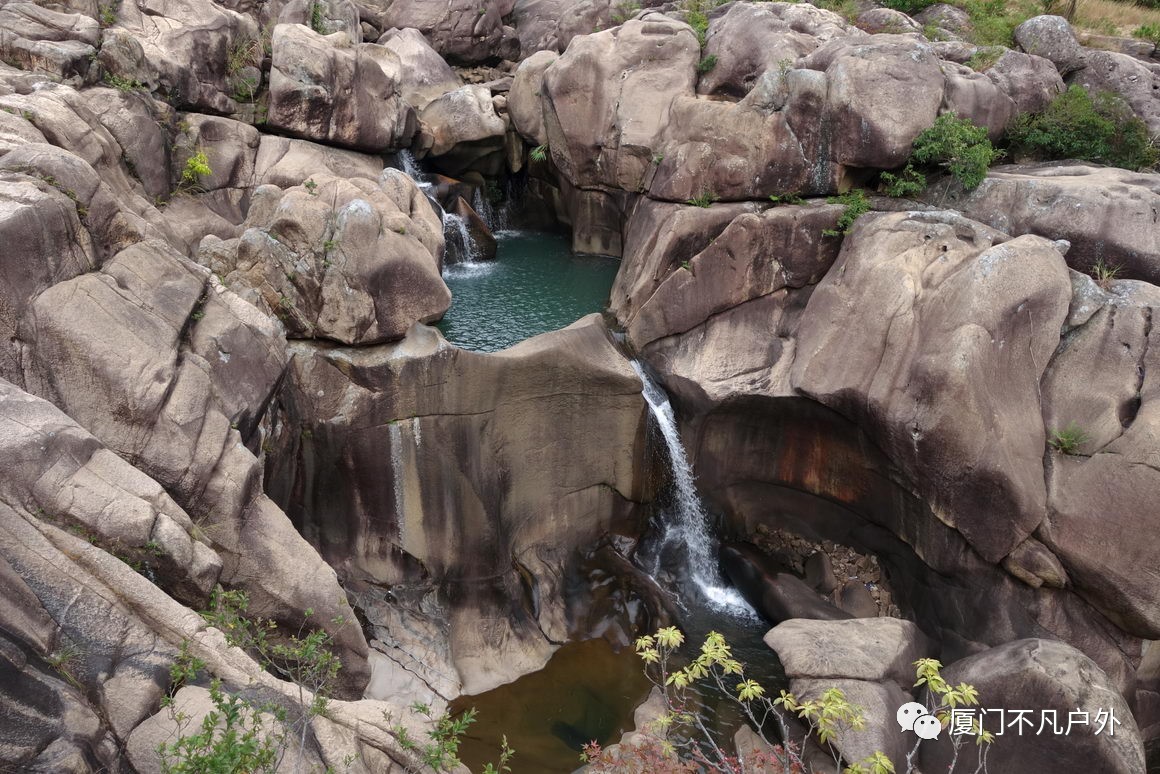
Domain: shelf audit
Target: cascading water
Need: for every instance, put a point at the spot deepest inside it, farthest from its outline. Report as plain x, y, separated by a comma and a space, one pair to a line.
685, 524
461, 247
495, 218
410, 166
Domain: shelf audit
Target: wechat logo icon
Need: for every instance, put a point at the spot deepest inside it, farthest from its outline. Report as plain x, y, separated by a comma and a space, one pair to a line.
913, 716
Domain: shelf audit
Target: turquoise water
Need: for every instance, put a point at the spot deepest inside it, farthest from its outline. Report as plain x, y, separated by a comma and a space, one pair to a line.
535, 285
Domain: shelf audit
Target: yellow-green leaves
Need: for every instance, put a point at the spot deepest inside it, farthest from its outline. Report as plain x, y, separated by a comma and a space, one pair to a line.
748, 690
876, 763
670, 637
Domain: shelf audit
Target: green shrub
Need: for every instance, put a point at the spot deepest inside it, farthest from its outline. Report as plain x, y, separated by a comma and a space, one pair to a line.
1149, 32
318, 18
123, 84
704, 199
230, 739
707, 64
697, 16
1067, 440
856, 204
196, 167
908, 182
789, 198
107, 14
958, 146
1079, 125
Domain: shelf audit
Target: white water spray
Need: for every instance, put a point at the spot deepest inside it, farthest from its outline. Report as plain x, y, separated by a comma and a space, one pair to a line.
460, 243
686, 522
410, 166
495, 218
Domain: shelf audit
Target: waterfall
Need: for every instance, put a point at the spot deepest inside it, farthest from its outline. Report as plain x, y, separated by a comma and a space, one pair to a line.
685, 523
461, 247
495, 218
410, 166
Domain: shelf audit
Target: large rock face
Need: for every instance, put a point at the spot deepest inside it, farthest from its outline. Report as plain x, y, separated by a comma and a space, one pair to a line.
1108, 215
323, 88
419, 463
1104, 381
423, 73
173, 373
465, 129
807, 111
45, 243
608, 136
61, 45
352, 261
971, 324
870, 661
750, 39
1043, 675
947, 368
187, 44
464, 32
550, 25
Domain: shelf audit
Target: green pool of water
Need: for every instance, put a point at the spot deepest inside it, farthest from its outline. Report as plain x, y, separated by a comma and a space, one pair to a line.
589, 692
586, 692
535, 285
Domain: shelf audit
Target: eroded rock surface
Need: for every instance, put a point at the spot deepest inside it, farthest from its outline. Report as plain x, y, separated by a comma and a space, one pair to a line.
457, 493
326, 89
350, 260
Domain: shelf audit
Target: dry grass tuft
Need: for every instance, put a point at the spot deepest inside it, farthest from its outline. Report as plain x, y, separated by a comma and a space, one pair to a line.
1110, 17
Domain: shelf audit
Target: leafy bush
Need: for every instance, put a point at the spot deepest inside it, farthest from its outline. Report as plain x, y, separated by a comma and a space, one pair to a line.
232, 736
539, 153
1079, 125
829, 717
856, 204
231, 739
123, 84
697, 16
952, 143
196, 167
707, 64
107, 14
958, 146
908, 182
